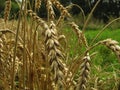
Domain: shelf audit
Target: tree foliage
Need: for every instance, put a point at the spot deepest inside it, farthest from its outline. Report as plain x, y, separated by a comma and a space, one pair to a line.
104, 10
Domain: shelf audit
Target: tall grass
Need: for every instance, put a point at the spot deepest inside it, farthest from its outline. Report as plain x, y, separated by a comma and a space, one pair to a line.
38, 54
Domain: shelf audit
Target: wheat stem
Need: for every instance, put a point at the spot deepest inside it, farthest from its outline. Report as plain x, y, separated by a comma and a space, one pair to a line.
86, 22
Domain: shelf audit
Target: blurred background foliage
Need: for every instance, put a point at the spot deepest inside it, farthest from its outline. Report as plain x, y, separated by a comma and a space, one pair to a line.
104, 10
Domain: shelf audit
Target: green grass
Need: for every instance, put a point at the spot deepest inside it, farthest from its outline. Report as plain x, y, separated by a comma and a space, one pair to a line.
104, 65
108, 33
104, 56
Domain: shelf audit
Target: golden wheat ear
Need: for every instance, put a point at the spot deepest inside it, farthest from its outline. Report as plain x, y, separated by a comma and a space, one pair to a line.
7, 10
51, 13
39, 21
113, 45
85, 73
55, 55
62, 9
80, 34
38, 4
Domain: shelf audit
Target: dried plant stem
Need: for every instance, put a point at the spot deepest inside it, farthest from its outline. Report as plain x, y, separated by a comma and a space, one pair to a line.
24, 20
15, 50
86, 22
82, 11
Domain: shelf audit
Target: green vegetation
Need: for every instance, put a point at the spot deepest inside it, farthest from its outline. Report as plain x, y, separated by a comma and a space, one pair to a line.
105, 64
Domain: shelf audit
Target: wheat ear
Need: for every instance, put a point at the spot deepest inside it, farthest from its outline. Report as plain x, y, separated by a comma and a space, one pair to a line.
51, 14
39, 21
85, 72
1, 50
79, 33
113, 45
60, 6
7, 9
54, 54
62, 9
38, 4
62, 16
1, 57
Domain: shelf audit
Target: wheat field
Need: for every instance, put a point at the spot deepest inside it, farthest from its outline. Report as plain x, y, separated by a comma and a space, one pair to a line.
35, 53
